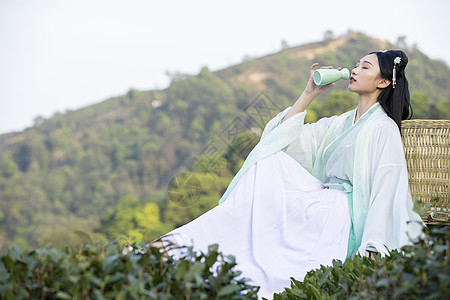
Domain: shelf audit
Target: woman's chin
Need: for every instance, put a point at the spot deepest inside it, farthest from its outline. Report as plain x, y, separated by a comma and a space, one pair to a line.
351, 88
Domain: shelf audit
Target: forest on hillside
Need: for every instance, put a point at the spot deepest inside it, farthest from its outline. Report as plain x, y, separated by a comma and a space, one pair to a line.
143, 163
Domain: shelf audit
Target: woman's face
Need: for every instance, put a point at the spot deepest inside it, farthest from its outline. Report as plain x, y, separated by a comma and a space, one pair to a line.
365, 77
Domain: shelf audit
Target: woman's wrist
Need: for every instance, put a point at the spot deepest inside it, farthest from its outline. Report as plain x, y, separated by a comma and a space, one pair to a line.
307, 96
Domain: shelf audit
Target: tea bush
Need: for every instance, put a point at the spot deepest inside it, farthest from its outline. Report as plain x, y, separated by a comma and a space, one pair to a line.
101, 271
420, 271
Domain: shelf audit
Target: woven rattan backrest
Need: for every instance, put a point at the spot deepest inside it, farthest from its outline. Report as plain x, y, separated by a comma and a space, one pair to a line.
427, 150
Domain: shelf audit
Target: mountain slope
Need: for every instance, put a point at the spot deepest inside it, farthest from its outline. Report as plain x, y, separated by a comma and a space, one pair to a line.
71, 170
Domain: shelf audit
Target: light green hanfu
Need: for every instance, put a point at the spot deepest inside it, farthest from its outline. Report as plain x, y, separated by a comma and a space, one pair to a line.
364, 159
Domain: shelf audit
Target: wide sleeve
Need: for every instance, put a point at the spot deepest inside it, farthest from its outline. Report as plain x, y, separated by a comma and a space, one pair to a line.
307, 139
273, 123
278, 136
390, 222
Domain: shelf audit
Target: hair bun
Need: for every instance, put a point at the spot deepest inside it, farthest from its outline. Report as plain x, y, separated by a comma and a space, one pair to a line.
403, 58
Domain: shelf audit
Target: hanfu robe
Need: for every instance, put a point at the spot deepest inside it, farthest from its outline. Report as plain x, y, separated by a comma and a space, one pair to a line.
308, 194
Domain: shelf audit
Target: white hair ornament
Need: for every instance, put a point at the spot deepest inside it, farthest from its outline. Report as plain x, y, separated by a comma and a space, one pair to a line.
397, 61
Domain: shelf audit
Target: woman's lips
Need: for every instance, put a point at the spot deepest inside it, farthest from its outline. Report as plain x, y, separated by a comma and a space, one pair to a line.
352, 79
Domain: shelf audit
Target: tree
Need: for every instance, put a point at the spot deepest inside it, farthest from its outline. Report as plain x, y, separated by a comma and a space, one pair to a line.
421, 105
443, 108
337, 102
135, 220
8, 167
239, 149
23, 157
401, 41
148, 223
193, 194
328, 35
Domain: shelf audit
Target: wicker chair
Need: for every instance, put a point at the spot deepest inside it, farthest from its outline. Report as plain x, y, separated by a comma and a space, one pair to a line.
427, 150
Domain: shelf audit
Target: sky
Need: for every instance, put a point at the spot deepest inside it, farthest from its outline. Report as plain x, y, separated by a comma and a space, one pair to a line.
59, 55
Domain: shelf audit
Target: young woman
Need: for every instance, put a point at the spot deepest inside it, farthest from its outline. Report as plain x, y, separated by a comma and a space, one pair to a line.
311, 193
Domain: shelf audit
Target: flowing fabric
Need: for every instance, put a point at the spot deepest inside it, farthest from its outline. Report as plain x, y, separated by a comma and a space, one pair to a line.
310, 193
279, 222
365, 158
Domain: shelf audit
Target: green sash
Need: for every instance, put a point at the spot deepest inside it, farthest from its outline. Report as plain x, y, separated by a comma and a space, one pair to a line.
358, 193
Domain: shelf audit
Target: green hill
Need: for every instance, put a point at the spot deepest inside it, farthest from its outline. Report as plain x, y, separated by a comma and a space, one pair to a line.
106, 168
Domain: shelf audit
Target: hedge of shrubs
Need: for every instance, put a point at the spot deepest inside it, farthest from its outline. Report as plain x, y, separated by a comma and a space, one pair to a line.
420, 272
101, 271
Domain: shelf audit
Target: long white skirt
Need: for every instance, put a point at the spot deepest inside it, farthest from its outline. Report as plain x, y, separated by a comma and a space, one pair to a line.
279, 222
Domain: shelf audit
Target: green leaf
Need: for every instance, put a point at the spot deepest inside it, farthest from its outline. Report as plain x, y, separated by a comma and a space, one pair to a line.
95, 280
213, 248
325, 277
231, 259
196, 269
97, 295
297, 292
211, 259
149, 294
114, 278
337, 263
14, 253
121, 296
228, 289
116, 240
181, 269
4, 274
384, 282
440, 248
110, 262
63, 295
83, 235
313, 290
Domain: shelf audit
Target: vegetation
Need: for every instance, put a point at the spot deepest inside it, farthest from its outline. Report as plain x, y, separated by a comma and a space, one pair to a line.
420, 271
102, 271
100, 169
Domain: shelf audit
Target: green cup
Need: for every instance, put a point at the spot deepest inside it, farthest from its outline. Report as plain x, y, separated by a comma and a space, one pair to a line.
327, 76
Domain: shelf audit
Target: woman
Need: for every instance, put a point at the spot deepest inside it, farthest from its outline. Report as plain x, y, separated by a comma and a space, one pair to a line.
311, 193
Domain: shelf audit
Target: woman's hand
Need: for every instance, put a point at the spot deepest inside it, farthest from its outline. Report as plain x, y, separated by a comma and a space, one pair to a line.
313, 89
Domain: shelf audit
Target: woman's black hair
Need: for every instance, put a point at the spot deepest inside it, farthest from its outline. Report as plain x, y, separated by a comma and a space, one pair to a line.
395, 101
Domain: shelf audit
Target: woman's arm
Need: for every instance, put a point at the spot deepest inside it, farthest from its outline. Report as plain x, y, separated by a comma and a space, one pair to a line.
309, 94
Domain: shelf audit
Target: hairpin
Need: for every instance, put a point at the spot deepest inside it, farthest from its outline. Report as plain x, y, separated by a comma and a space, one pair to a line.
397, 60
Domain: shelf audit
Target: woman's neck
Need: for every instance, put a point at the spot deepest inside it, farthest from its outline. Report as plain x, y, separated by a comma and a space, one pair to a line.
365, 102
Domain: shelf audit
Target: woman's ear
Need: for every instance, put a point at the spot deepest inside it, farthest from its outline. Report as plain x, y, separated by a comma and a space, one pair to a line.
383, 83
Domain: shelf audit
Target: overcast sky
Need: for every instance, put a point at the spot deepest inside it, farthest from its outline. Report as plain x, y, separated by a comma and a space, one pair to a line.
58, 54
